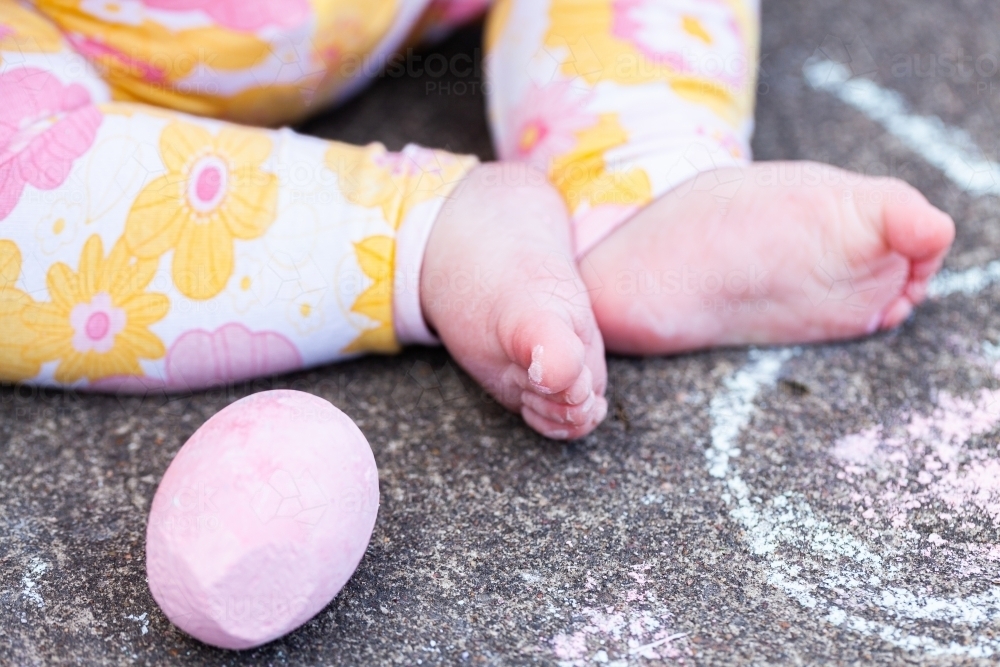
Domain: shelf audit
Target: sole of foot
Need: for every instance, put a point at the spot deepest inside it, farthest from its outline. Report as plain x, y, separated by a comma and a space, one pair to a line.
774, 253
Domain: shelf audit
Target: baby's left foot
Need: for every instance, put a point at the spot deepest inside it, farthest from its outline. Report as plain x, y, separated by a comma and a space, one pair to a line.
500, 286
801, 252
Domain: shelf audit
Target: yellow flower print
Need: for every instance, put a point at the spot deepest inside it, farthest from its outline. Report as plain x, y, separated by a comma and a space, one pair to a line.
347, 33
97, 322
141, 50
395, 182
15, 337
144, 61
603, 42
214, 192
692, 26
375, 256
581, 176
270, 105
59, 226
22, 30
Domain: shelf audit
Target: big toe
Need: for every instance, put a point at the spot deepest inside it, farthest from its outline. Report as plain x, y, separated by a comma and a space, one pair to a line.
913, 226
563, 375
546, 347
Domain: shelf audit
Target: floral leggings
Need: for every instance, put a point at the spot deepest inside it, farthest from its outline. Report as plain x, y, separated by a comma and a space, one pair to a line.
152, 237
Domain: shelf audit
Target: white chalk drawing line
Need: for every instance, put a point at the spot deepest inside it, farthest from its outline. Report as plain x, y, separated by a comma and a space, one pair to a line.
968, 282
141, 619
950, 149
823, 540
29, 581
784, 521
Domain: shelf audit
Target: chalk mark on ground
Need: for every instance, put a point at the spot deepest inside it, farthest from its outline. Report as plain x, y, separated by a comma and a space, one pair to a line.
950, 149
788, 520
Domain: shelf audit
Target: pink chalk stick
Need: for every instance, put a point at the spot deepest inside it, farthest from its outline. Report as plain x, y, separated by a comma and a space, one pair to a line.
261, 519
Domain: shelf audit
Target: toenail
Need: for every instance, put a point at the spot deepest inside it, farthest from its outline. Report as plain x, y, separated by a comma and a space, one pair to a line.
579, 415
602, 412
535, 369
874, 323
559, 434
586, 380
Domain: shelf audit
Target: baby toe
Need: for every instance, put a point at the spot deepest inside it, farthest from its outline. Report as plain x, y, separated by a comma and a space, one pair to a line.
560, 413
549, 350
897, 313
558, 430
913, 226
578, 392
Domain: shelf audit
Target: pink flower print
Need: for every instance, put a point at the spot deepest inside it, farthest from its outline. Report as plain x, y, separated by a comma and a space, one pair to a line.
96, 324
231, 353
44, 127
128, 12
545, 125
415, 161
693, 37
243, 15
201, 359
99, 52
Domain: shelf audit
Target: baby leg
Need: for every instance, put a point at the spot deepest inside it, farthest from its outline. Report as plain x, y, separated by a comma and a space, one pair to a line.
145, 249
640, 111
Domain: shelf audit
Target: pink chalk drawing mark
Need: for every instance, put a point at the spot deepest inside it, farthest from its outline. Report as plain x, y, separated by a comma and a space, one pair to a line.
931, 461
634, 631
861, 586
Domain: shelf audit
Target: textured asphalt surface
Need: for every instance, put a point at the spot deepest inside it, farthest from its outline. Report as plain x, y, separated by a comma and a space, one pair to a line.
632, 546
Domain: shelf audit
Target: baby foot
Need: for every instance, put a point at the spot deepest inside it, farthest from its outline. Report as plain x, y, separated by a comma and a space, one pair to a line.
767, 254
500, 287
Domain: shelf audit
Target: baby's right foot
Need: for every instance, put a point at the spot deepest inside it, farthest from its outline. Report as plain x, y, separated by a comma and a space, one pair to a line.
792, 252
500, 287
